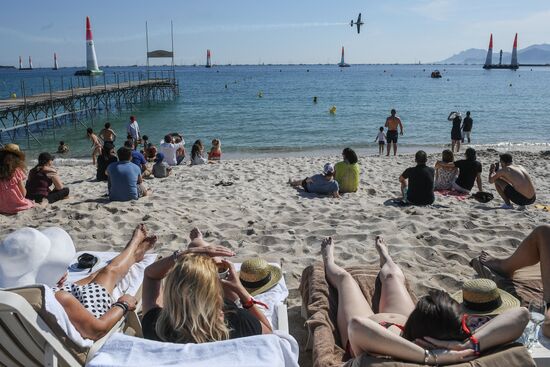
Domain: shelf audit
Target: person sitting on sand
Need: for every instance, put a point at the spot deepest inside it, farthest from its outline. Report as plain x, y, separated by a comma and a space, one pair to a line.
149, 150
197, 154
347, 173
161, 169
107, 134
12, 180
62, 148
533, 249
417, 183
107, 157
512, 182
169, 148
88, 302
445, 176
180, 153
469, 171
41, 178
215, 153
183, 298
137, 158
96, 144
435, 331
125, 180
323, 184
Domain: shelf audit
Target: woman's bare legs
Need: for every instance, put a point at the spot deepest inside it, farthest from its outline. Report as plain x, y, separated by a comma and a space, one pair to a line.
351, 302
394, 297
534, 248
117, 269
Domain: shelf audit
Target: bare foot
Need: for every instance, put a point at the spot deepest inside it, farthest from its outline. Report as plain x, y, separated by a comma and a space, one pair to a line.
493, 263
147, 244
195, 233
140, 232
327, 250
382, 249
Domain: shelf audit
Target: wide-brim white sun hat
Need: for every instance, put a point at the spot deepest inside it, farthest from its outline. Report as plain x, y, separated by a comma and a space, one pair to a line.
29, 256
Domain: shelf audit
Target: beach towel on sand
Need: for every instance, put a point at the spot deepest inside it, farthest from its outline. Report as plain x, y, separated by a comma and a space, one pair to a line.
458, 195
320, 301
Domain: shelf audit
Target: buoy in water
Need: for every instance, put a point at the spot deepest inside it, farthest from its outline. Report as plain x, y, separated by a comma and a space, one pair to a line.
315, 99
332, 110
260, 94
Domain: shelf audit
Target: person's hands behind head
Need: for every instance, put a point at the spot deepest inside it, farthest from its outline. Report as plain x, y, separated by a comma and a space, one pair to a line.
130, 300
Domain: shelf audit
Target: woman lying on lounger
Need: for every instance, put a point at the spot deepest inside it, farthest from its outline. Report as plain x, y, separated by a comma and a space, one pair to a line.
432, 332
190, 306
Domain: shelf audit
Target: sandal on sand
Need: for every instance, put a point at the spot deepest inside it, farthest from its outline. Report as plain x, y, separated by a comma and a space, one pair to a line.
224, 183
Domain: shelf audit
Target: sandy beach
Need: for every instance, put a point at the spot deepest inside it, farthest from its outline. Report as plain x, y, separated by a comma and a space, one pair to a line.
261, 215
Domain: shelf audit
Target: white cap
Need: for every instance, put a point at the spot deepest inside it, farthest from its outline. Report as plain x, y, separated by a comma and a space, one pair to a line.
29, 256
329, 168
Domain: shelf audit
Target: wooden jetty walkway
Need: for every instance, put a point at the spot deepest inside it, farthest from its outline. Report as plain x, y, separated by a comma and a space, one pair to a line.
48, 111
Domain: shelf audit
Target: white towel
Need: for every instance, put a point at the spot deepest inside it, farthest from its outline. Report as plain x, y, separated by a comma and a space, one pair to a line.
276, 350
130, 284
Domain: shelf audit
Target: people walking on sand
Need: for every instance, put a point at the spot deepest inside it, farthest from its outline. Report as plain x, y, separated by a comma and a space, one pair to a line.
535, 248
456, 131
417, 183
323, 184
96, 144
437, 330
197, 154
381, 139
12, 180
512, 182
125, 180
132, 128
41, 178
107, 134
392, 123
445, 176
347, 172
467, 125
215, 153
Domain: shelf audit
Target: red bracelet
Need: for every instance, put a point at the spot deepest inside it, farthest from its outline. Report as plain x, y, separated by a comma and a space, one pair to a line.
251, 302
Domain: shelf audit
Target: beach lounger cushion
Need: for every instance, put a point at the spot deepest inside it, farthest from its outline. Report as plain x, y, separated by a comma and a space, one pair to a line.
526, 284
319, 305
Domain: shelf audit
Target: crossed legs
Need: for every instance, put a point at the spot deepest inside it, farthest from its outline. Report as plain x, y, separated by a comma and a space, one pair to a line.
116, 270
351, 302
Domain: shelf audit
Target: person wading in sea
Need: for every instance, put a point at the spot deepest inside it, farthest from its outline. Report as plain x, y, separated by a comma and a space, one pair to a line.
392, 123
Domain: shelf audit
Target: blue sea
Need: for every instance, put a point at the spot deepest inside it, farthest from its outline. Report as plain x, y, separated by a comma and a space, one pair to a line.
511, 109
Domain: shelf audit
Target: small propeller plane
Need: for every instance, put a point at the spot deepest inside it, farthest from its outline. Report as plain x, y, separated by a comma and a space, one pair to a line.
358, 23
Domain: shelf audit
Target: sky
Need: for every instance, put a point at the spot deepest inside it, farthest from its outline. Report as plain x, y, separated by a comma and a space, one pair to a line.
277, 32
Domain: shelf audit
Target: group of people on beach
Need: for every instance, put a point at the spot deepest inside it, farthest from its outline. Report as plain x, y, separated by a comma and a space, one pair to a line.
512, 181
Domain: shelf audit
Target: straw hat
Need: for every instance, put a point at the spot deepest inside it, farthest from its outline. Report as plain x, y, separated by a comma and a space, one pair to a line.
483, 297
257, 276
14, 149
29, 256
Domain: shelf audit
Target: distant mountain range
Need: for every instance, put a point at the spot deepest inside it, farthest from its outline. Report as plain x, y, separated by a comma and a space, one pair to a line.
535, 54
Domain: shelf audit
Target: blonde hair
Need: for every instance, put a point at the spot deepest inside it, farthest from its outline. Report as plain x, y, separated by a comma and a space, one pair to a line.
193, 303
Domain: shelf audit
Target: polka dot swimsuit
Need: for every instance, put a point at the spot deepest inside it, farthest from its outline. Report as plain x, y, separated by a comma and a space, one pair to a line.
93, 297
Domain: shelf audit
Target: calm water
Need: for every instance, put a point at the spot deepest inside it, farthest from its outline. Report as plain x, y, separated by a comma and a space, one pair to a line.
509, 108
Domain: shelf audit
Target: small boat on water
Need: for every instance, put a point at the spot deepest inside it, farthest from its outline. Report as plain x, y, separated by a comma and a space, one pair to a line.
436, 74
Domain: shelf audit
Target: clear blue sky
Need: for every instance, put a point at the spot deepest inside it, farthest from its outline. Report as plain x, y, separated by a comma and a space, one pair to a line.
252, 31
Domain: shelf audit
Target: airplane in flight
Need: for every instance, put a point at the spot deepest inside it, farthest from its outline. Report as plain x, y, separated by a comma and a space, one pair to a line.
358, 23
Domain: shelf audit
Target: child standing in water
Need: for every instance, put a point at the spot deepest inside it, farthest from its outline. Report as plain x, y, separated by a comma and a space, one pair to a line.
215, 153
96, 144
381, 138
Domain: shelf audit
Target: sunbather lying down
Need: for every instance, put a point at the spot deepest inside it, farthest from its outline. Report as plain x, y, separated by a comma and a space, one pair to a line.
434, 331
88, 302
533, 249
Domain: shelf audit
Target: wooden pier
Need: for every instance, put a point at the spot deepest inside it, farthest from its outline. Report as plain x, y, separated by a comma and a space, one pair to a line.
46, 112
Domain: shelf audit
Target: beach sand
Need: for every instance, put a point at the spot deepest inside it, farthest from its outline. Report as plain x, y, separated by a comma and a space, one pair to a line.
261, 215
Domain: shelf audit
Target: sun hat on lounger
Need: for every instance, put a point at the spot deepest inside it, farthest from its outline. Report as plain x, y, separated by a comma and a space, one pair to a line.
483, 297
29, 256
257, 275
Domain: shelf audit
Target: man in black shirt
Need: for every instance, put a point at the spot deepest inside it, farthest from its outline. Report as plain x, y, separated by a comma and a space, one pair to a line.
467, 127
469, 172
417, 183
